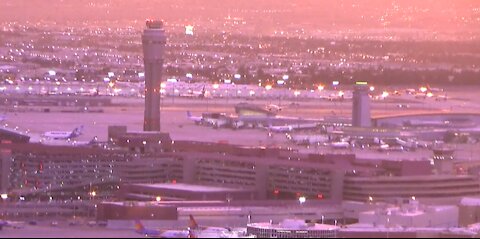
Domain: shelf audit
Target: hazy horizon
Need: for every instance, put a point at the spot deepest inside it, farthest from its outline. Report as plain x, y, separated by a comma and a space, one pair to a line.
331, 15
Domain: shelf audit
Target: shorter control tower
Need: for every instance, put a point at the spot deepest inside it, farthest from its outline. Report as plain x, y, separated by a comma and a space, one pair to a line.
361, 116
153, 41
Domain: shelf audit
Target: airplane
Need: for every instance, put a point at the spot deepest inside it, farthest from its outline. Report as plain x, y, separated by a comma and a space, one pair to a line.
193, 231
13, 224
3, 224
64, 134
196, 119
291, 127
140, 229
340, 145
410, 144
308, 139
196, 94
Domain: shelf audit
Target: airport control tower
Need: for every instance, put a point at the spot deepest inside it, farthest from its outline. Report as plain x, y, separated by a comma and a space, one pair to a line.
361, 106
153, 41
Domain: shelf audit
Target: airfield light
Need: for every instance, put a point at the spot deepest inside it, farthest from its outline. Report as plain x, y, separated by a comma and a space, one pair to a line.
385, 94
237, 76
372, 88
189, 30
335, 83
429, 94
93, 193
302, 200
52, 73
158, 198
4, 196
163, 85
285, 77
268, 87
215, 86
296, 93
423, 89
321, 88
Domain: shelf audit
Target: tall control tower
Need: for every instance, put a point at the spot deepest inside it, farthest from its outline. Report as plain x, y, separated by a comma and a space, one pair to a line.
361, 106
153, 41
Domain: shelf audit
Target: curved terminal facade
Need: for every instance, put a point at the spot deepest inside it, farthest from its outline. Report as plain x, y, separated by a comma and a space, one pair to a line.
292, 229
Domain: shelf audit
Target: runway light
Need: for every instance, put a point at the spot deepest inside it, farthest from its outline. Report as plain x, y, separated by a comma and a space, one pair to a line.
296, 93
215, 86
158, 198
285, 77
4, 196
423, 89
268, 87
237, 76
302, 200
429, 94
321, 88
385, 94
372, 88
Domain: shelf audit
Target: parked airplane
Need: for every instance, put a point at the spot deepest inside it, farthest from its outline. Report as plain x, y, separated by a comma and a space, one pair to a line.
340, 145
409, 144
193, 231
292, 127
196, 119
64, 134
308, 139
196, 94
13, 224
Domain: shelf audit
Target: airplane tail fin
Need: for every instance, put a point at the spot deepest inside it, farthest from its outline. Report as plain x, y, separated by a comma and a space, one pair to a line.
139, 228
192, 224
78, 131
191, 234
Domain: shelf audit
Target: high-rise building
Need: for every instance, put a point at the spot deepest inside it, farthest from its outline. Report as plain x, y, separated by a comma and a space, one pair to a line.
361, 106
153, 41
